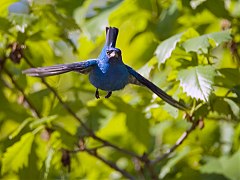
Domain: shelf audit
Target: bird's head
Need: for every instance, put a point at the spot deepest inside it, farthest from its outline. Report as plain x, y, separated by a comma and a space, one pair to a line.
114, 53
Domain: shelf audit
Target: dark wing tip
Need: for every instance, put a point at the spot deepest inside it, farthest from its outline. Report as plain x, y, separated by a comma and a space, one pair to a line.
159, 92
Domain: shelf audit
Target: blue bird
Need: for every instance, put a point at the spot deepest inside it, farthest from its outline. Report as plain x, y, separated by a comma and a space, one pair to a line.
107, 72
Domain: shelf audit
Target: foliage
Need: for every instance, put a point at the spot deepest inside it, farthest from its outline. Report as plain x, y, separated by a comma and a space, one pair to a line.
54, 128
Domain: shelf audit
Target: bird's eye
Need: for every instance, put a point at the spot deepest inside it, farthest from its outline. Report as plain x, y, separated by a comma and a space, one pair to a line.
109, 52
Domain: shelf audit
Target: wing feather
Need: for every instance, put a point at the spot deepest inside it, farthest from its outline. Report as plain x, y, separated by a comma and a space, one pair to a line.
139, 79
81, 67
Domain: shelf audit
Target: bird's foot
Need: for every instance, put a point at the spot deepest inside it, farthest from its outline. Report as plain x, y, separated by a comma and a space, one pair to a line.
109, 94
97, 94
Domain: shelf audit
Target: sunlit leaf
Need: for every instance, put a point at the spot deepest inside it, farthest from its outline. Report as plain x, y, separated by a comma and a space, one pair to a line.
19, 129
96, 25
164, 50
16, 155
21, 21
45, 120
4, 6
197, 81
48, 162
202, 43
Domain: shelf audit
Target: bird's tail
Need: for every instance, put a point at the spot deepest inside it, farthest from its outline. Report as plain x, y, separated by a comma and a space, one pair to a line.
48, 71
111, 36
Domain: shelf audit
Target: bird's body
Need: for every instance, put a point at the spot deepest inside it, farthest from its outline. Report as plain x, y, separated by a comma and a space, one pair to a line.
107, 72
111, 76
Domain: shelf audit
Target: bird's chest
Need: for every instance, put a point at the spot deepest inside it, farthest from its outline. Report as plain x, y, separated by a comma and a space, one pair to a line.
109, 77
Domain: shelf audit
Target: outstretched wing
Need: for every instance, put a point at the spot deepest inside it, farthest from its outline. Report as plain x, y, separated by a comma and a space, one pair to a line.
138, 79
81, 67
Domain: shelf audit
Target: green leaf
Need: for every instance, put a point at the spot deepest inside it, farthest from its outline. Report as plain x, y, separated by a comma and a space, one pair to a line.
234, 107
167, 21
165, 49
197, 81
95, 25
44, 120
16, 155
202, 43
5, 25
21, 21
228, 77
236, 89
20, 128
172, 162
48, 162
218, 10
4, 4
227, 166
136, 122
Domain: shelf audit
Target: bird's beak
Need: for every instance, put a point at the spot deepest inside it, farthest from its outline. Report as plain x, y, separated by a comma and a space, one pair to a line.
113, 54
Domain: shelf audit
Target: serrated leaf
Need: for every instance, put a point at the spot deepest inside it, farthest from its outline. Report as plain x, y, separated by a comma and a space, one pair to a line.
165, 49
202, 43
197, 81
16, 155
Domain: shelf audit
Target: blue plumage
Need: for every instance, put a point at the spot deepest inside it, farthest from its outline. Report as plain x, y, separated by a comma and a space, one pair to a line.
107, 72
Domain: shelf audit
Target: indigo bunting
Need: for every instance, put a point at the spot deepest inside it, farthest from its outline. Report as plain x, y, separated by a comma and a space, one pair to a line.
107, 72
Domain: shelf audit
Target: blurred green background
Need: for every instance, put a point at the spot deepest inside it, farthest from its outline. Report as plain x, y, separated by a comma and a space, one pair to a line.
189, 48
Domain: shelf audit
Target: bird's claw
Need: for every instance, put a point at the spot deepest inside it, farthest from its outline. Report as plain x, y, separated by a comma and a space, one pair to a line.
109, 94
97, 94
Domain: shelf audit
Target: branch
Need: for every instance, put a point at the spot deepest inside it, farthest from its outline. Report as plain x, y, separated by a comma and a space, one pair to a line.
180, 140
30, 105
93, 152
109, 163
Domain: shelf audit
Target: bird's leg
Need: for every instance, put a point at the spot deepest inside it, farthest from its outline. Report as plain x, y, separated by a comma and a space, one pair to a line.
109, 94
97, 94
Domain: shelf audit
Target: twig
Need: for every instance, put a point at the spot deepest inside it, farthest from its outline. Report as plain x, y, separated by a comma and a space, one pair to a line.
31, 106
91, 149
110, 164
176, 145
